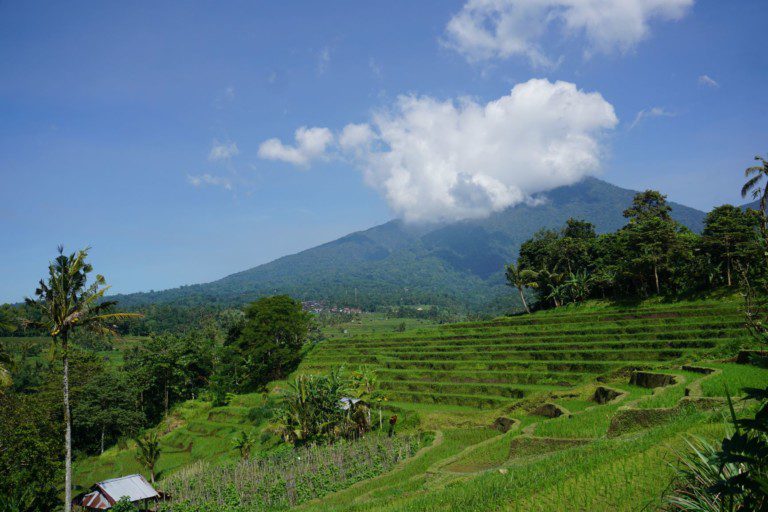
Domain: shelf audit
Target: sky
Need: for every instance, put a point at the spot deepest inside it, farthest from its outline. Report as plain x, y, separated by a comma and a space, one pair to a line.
184, 141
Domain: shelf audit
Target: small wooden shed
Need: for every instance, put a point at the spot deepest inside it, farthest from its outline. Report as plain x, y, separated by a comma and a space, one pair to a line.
103, 495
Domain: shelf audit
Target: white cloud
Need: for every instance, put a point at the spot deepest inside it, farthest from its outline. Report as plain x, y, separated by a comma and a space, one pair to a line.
356, 136
311, 144
222, 151
449, 160
650, 112
708, 81
208, 179
487, 29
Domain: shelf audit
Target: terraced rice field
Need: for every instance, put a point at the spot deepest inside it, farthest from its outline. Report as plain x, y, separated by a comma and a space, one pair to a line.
496, 363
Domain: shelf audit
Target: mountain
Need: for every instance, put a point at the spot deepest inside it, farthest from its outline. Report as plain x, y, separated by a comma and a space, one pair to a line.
458, 264
754, 205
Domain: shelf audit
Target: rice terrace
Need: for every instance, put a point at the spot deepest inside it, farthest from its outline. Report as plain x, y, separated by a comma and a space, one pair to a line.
476, 255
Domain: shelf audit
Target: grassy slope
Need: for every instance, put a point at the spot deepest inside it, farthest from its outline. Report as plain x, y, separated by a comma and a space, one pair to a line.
567, 463
551, 356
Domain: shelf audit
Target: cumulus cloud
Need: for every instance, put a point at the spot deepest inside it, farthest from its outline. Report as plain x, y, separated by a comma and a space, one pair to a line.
649, 113
311, 144
708, 81
208, 179
488, 29
222, 151
448, 160
356, 136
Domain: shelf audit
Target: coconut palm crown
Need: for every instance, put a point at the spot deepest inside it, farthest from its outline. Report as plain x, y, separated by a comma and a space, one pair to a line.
756, 174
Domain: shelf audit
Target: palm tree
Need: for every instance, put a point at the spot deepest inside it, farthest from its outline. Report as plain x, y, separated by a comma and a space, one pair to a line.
66, 302
148, 452
756, 174
579, 284
244, 443
554, 282
521, 278
365, 385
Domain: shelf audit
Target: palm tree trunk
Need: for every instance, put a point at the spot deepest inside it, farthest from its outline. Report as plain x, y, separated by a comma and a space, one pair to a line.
522, 297
728, 269
102, 438
68, 429
656, 277
165, 397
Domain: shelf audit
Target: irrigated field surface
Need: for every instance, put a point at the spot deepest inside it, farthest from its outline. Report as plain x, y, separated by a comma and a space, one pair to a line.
493, 364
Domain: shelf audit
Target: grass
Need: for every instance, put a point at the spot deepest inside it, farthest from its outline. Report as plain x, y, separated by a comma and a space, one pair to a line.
195, 431
455, 380
373, 323
409, 478
289, 477
487, 364
736, 376
604, 475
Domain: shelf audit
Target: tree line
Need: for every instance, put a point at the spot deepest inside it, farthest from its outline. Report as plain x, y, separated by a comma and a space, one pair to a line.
651, 255
75, 393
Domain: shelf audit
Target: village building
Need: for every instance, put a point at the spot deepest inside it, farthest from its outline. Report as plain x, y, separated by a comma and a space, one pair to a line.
103, 495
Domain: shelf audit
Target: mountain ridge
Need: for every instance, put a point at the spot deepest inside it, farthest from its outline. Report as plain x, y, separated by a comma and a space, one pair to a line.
457, 264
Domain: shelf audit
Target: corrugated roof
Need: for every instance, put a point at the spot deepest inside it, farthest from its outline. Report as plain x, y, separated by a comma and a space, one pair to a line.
93, 500
135, 487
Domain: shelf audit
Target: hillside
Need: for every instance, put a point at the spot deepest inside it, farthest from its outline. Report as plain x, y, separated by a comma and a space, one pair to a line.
540, 372
494, 364
459, 264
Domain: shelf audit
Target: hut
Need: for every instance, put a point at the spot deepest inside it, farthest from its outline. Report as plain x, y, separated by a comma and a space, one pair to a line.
103, 495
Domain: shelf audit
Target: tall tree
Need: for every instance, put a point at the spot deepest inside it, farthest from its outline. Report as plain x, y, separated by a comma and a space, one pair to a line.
755, 175
269, 344
106, 408
30, 453
574, 246
651, 234
66, 302
649, 204
521, 278
729, 237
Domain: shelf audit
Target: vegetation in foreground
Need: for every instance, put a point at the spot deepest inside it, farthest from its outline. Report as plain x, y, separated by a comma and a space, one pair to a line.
288, 477
536, 374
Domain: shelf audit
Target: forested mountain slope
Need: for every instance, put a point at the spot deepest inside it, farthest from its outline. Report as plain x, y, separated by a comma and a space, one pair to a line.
458, 264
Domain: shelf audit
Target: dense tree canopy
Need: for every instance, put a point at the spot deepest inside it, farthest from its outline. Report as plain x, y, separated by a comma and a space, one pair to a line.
268, 344
651, 254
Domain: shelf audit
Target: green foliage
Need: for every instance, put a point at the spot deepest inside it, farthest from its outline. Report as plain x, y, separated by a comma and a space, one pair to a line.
168, 367
268, 344
148, 452
652, 253
756, 174
318, 408
123, 505
244, 443
30, 453
66, 302
285, 479
105, 408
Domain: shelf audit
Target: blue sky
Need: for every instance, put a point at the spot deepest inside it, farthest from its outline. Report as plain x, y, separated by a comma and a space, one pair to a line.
139, 128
